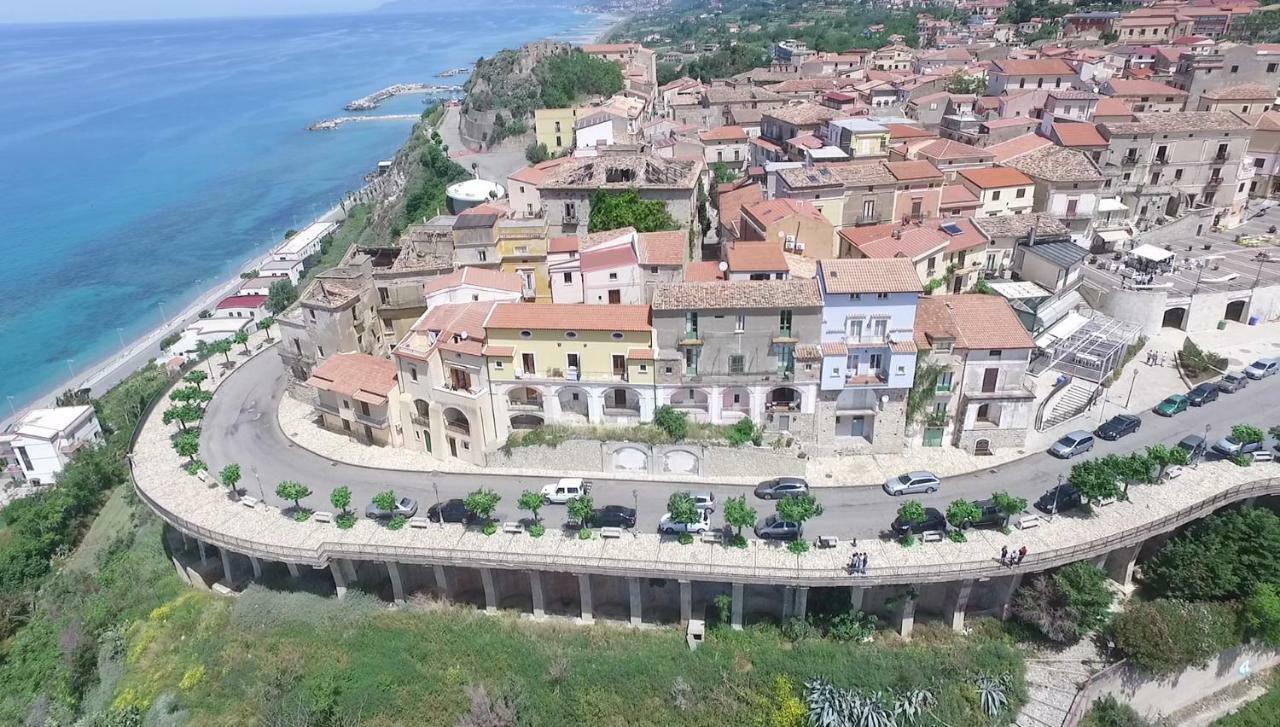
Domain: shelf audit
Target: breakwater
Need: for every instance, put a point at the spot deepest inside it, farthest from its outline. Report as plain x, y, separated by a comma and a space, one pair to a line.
375, 99
331, 124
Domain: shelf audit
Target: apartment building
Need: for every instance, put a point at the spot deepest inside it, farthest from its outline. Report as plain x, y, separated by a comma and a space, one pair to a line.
1009, 74
355, 395
337, 313
1000, 191
1068, 185
1246, 98
1145, 95
865, 193
566, 191
1224, 64
789, 224
941, 249
1264, 154
725, 145
42, 441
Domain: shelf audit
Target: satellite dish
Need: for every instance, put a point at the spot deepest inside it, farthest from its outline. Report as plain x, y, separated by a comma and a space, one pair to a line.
724, 266
463, 335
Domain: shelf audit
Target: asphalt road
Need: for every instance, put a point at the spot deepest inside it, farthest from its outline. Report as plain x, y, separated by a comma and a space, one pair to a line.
241, 426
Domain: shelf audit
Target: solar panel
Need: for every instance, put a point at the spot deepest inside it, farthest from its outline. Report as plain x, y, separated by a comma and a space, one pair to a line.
951, 228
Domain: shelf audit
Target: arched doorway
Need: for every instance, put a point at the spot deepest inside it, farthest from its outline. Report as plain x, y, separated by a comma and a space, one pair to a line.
526, 421
574, 403
524, 398
1236, 311
457, 422
1175, 318
621, 402
783, 398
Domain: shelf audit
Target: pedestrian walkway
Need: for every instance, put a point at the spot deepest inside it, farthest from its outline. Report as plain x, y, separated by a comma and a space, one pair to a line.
1054, 675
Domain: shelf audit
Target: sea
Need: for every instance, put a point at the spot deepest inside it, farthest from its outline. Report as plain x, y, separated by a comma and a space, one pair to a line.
142, 163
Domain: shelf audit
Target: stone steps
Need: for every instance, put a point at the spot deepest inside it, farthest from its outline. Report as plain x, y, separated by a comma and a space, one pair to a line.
1072, 401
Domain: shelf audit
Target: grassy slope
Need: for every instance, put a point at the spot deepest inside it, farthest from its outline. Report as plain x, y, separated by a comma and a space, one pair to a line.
113, 520
1259, 713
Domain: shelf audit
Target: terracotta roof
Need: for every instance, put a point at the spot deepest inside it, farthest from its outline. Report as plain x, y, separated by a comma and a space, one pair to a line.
1039, 67
855, 173
702, 271
1108, 106
899, 132
1020, 225
242, 301
499, 351
911, 171
724, 133
608, 258
808, 352
1078, 134
732, 202
566, 243
973, 321
1269, 121
568, 316
1242, 92
356, 375
755, 257
948, 149
769, 211
536, 173
802, 114
1006, 150
896, 275
1057, 164
911, 242
996, 177
662, 248
1136, 87
640, 354
595, 239
478, 277
805, 141
958, 195
738, 294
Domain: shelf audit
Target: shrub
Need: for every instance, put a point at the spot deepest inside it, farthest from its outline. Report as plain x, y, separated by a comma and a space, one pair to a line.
1066, 605
962, 512
482, 502
672, 421
744, 431
489, 528
852, 626
798, 629
1110, 712
584, 534
301, 516
723, 604
799, 546
684, 538
397, 522
682, 508
1196, 361
1261, 615
537, 530
956, 536
1165, 636
345, 521
1224, 557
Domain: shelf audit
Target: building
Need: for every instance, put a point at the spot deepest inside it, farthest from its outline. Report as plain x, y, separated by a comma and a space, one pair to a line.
727, 350
857, 138
1225, 64
725, 145
553, 128
334, 314
522, 188
976, 351
522, 249
355, 395
1068, 186
253, 307
1000, 191
1144, 95
942, 250
471, 285
41, 442
566, 191
789, 224
1246, 98
1264, 154
1008, 74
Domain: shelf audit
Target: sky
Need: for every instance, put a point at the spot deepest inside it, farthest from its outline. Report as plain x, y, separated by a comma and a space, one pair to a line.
59, 11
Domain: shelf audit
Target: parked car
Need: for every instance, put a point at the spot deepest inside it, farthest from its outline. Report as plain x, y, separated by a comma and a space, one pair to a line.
1059, 499
775, 528
780, 487
1171, 405
613, 516
1120, 425
1071, 444
1194, 445
667, 526
1229, 447
1262, 368
1231, 383
1203, 394
558, 493
990, 517
704, 500
933, 520
452, 511
404, 506
912, 482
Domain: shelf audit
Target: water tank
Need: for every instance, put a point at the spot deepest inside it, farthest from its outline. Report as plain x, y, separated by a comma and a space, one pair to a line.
468, 194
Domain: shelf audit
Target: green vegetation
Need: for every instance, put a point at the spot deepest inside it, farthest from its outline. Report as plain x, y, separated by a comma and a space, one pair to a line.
1110, 712
567, 79
923, 388
682, 508
1165, 636
531, 501
1260, 615
1225, 557
612, 210
1009, 505
962, 83
580, 509
799, 509
742, 432
482, 502
962, 512
1258, 713
536, 153
1067, 604
433, 174
672, 421
738, 515
280, 295
334, 249
1198, 364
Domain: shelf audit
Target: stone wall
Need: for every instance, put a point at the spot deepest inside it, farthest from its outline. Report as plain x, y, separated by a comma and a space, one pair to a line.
687, 460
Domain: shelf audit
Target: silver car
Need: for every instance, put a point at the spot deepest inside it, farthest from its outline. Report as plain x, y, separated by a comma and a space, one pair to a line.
1262, 368
1071, 444
1231, 383
912, 482
667, 526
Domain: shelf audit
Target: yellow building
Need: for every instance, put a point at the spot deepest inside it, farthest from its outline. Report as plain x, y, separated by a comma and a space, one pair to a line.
522, 247
570, 364
553, 128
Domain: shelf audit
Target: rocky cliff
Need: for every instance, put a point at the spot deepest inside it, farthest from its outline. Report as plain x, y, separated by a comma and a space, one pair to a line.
503, 92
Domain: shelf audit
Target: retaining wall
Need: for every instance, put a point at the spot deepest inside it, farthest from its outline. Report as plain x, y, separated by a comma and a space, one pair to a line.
634, 457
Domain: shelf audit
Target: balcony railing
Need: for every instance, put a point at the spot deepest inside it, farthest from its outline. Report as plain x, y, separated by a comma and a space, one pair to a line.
866, 338
878, 377
328, 408
373, 420
420, 420
1128, 161
781, 406
868, 219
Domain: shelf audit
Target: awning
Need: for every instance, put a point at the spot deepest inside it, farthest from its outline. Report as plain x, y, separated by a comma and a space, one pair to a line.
1063, 329
1111, 204
1113, 236
1152, 253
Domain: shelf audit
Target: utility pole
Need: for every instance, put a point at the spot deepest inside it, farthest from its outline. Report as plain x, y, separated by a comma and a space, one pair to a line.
1132, 380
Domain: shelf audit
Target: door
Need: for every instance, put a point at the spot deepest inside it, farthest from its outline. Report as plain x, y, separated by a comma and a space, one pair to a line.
619, 365
460, 379
957, 285
453, 447
619, 399
426, 440
857, 427
527, 363
572, 360
989, 380
615, 297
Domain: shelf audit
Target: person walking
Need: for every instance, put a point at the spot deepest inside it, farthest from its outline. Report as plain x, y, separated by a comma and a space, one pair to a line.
1022, 553
1004, 555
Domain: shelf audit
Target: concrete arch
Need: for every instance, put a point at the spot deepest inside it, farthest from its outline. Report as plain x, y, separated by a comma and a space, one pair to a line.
525, 398
784, 399
421, 409
1237, 310
575, 402
621, 401
527, 420
1175, 317
735, 404
456, 421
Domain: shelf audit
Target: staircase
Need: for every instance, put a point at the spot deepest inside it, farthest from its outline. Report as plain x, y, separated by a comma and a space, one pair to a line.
1071, 402
1053, 678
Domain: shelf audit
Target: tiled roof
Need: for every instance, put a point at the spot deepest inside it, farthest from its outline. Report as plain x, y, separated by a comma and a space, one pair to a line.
563, 243
1057, 164
662, 248
478, 277
702, 271
242, 301
808, 352
897, 275
949, 149
595, 239
1017, 145
1020, 225
755, 257
608, 258
911, 242
1108, 106
1242, 92
860, 174
958, 195
1072, 94
1039, 67
536, 173
724, 133
769, 211
802, 114
356, 375
1009, 123
901, 132
738, 294
973, 321
911, 171
996, 177
642, 171
1178, 122
1078, 134
1141, 87
732, 202
568, 316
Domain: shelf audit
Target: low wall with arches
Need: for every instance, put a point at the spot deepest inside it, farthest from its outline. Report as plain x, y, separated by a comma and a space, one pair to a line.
675, 460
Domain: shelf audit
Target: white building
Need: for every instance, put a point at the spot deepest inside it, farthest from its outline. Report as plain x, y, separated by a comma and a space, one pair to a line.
208, 330
305, 243
43, 440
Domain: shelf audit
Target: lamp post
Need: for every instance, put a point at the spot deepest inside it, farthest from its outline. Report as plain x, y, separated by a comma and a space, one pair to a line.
1057, 492
261, 492
1132, 380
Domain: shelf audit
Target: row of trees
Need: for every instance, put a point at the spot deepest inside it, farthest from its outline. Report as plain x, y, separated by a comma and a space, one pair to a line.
1109, 477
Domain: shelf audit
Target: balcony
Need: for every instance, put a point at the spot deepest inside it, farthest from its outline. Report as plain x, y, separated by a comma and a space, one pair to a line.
373, 420
464, 392
866, 339
328, 408
1213, 182
1128, 161
879, 377
420, 420
871, 219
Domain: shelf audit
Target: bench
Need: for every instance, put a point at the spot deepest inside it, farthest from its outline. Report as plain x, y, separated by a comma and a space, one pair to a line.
931, 536
712, 536
1106, 501
828, 541
249, 502
611, 532
511, 528
1029, 521
203, 476
321, 516
419, 522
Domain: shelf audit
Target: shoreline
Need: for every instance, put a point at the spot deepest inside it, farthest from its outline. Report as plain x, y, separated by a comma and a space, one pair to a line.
603, 35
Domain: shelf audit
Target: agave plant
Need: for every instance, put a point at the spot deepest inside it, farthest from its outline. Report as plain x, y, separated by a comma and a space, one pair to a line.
911, 705
870, 711
828, 705
992, 694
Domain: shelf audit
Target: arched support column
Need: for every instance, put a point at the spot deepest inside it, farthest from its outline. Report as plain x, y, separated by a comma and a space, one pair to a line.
584, 597
633, 590
1006, 608
802, 602
490, 593
958, 603
397, 582
204, 553
686, 602
339, 579
257, 567
442, 582
907, 618
647, 404
595, 406
856, 596
715, 404
535, 590
738, 601
1120, 563
228, 572
293, 570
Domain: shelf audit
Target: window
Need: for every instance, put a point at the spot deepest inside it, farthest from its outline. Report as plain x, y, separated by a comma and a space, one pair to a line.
995, 353
995, 196
691, 324
740, 323
1271, 68
384, 296
413, 373
482, 255
1021, 193
497, 365
26, 459
613, 276
320, 351
1235, 69
568, 278
784, 323
570, 335
616, 335
1177, 175
526, 334
737, 363
644, 368
1259, 162
855, 296
386, 325
691, 362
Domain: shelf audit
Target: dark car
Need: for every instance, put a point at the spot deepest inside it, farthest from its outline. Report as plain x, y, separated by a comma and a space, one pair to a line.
1194, 445
452, 511
1059, 499
990, 517
614, 516
1120, 425
1203, 394
408, 507
933, 520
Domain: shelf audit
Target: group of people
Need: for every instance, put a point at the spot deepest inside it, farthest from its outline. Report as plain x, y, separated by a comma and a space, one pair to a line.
1156, 358
858, 565
1012, 557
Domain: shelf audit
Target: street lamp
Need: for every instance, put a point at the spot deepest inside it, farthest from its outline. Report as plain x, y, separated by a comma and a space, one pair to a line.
1132, 381
1057, 491
439, 510
261, 492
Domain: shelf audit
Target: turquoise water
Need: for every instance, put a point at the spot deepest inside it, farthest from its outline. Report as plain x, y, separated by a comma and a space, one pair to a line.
140, 163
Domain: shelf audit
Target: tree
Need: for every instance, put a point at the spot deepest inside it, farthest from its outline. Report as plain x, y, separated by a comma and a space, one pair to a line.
183, 414
580, 509
1009, 505
1110, 712
1095, 481
1246, 434
704, 215
280, 296
799, 508
682, 508
911, 512
223, 347
721, 173
611, 210
962, 512
1066, 605
966, 84
1162, 458
1261, 615
195, 377
532, 501
230, 476
73, 397
739, 514
265, 325
292, 490
672, 421
340, 497
1165, 636
242, 337
385, 500
1196, 361
187, 444
482, 502
536, 153
1224, 557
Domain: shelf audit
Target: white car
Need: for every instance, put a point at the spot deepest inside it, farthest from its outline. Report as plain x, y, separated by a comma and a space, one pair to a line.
667, 526
1262, 368
558, 493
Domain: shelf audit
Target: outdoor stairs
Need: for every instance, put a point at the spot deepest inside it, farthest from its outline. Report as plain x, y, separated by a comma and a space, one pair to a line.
1053, 678
1070, 403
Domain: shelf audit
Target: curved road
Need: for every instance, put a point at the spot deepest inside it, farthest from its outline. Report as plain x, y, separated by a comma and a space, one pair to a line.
241, 426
